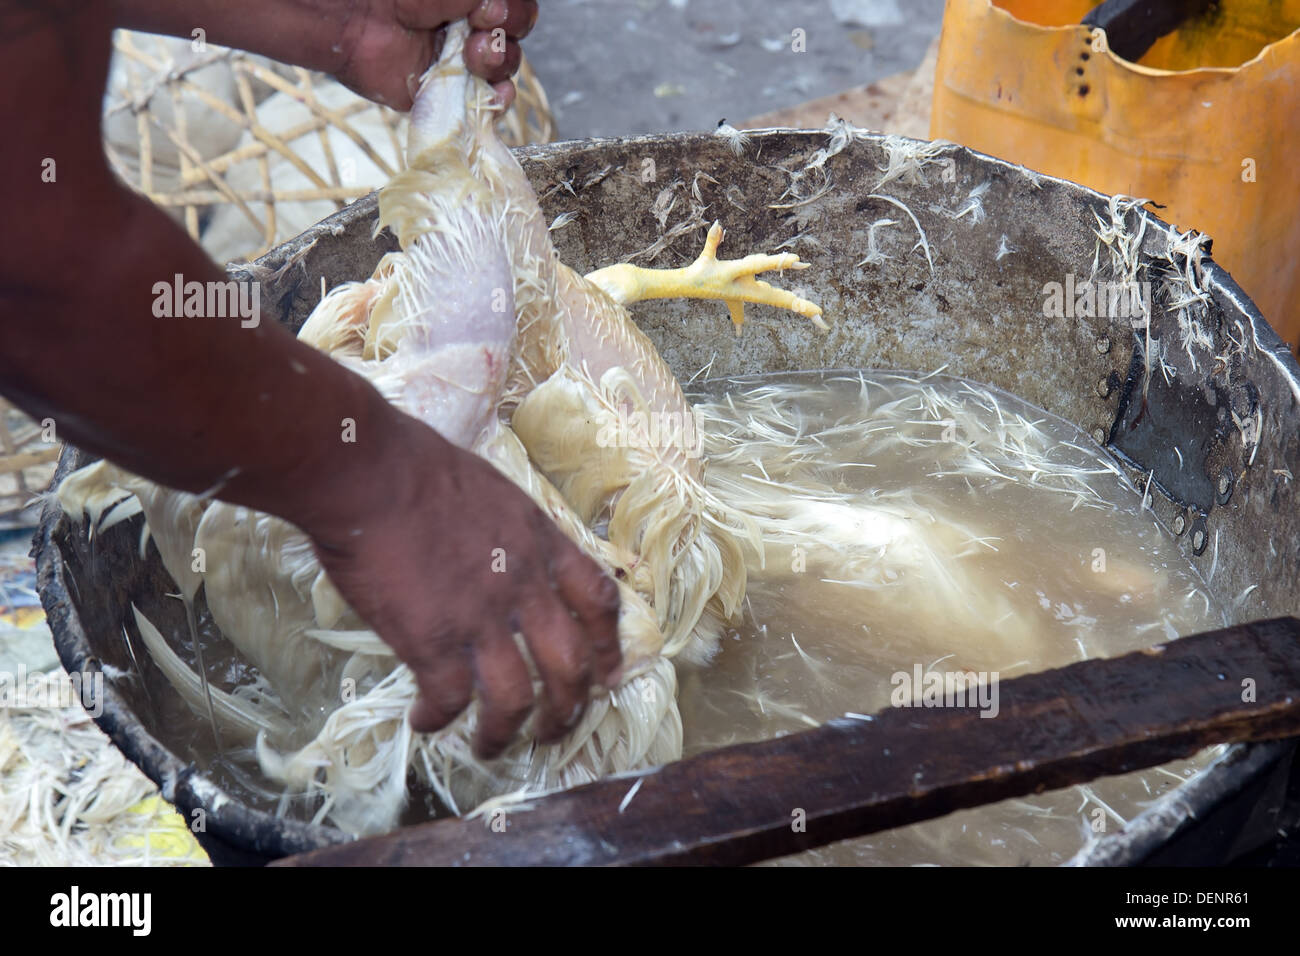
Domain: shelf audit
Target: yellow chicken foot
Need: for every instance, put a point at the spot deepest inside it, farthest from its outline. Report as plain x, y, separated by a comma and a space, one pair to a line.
709, 277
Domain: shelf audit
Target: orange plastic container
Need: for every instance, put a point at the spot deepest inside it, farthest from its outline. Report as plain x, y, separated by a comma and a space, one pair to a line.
1207, 123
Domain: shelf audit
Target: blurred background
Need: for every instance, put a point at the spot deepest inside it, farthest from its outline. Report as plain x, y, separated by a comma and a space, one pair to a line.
622, 67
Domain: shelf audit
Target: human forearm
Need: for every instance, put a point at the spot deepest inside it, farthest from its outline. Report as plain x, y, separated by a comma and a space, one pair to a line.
309, 33
408, 528
191, 402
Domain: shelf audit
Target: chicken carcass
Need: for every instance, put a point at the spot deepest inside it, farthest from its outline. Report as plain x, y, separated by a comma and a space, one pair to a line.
478, 329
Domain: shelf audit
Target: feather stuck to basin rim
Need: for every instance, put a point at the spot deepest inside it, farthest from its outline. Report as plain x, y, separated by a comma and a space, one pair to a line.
476, 328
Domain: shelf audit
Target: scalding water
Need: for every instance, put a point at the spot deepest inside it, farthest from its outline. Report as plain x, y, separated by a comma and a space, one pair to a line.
911, 527
930, 526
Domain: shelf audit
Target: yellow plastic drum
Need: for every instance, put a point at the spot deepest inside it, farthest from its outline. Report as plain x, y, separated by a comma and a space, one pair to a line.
1207, 124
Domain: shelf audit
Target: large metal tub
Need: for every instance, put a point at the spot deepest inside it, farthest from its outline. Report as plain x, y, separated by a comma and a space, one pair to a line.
979, 312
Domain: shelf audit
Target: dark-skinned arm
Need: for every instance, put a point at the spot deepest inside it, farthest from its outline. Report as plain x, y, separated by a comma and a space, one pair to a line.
404, 522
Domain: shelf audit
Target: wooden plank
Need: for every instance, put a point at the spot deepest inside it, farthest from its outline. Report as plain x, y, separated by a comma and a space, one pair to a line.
853, 777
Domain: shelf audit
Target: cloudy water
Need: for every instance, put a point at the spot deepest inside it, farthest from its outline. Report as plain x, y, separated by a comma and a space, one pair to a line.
930, 526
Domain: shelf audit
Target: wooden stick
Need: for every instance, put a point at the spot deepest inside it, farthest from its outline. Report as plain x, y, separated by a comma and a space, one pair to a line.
857, 776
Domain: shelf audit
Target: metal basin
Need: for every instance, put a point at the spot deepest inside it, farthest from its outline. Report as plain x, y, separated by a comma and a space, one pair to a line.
973, 299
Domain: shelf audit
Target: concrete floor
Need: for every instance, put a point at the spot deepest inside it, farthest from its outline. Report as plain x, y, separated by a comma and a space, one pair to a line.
621, 67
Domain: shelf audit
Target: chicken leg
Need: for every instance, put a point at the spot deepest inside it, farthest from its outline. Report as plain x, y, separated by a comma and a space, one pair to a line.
709, 277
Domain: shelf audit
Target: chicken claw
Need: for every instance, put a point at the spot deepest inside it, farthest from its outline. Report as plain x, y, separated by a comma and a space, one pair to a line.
709, 277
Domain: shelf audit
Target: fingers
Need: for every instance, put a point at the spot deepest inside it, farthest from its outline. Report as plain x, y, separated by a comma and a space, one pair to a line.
492, 56
491, 52
563, 660
516, 17
571, 633
505, 91
592, 596
505, 692
446, 685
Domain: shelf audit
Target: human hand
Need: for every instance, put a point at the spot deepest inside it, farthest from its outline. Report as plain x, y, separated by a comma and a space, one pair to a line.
386, 45
447, 560
379, 48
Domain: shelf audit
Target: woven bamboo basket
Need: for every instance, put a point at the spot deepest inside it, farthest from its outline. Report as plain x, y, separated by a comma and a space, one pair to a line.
27, 459
247, 152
